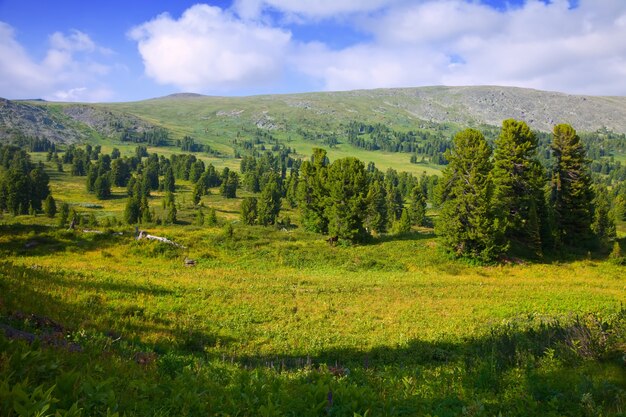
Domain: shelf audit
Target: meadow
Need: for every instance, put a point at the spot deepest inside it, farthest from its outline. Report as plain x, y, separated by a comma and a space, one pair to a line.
275, 321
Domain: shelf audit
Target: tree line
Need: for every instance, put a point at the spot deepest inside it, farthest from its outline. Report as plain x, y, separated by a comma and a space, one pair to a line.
495, 198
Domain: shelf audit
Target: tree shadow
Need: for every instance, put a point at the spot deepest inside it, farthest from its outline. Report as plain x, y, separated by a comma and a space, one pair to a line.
20, 303
35, 240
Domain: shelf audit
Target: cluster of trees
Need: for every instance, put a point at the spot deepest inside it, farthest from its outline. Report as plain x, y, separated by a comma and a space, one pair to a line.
23, 185
344, 199
188, 144
493, 198
153, 137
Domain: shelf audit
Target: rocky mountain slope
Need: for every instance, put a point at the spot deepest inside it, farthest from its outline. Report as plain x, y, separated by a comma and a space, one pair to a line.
460, 106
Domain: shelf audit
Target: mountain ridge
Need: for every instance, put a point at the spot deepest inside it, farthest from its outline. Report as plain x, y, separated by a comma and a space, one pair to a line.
460, 106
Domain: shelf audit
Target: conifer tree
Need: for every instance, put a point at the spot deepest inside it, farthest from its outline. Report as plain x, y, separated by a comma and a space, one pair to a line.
417, 206
603, 225
64, 214
403, 225
249, 210
102, 187
169, 183
376, 215
49, 206
269, 203
170, 205
346, 201
518, 183
571, 193
466, 221
312, 192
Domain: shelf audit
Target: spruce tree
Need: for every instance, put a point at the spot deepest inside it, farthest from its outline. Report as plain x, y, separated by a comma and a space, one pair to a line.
170, 204
169, 183
249, 210
571, 193
466, 221
518, 183
312, 192
102, 187
269, 203
403, 225
64, 214
346, 201
417, 206
49, 206
603, 225
376, 213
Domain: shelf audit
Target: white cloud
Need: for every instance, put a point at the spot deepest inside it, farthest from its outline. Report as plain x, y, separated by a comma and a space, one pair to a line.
208, 48
453, 42
63, 74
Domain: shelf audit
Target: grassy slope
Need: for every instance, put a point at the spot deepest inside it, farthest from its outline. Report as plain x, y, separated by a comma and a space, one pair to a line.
415, 328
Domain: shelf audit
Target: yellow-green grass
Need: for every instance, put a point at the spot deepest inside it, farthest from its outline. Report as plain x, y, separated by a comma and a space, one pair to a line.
271, 292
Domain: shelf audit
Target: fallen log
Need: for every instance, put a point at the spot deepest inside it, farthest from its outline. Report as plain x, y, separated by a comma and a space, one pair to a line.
144, 235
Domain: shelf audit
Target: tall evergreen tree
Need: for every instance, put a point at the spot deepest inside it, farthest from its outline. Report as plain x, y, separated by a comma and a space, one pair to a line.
312, 192
346, 202
249, 210
269, 203
571, 196
376, 213
169, 183
49, 206
518, 183
466, 221
229, 185
417, 206
102, 187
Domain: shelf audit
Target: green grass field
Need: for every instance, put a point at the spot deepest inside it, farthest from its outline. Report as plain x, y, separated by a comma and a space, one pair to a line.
273, 322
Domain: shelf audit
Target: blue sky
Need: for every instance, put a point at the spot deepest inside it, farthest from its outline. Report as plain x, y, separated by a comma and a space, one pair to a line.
118, 51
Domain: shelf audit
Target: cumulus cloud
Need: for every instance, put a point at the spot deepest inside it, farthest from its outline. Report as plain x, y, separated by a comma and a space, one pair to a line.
548, 46
210, 48
67, 72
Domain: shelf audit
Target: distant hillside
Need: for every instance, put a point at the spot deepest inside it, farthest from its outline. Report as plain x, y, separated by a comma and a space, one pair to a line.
208, 118
65, 122
462, 106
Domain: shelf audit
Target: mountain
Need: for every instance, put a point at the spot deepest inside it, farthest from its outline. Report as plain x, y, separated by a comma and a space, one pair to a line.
63, 122
195, 114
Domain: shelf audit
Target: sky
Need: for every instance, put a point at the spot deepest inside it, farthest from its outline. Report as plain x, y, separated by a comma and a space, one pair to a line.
95, 51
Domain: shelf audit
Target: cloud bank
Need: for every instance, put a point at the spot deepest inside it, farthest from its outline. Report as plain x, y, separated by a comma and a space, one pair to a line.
68, 72
550, 46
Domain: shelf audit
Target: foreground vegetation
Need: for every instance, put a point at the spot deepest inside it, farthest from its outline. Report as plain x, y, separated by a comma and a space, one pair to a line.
280, 323
241, 319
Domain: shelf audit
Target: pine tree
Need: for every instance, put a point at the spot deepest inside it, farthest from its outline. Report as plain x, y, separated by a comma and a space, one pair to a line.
269, 203
571, 196
49, 206
170, 204
211, 218
603, 225
132, 210
403, 225
229, 185
466, 222
312, 192
102, 187
64, 214
346, 202
417, 206
376, 215
518, 183
249, 210
169, 183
